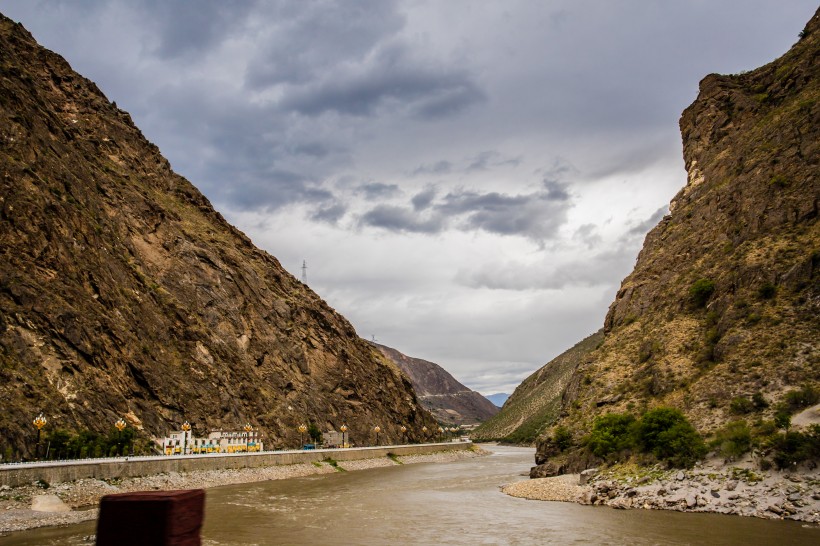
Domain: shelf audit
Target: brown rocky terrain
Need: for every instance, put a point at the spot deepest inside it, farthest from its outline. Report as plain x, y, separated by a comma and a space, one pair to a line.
724, 300
124, 293
723, 306
449, 401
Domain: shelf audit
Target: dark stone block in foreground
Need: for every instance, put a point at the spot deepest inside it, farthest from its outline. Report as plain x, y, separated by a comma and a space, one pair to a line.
162, 518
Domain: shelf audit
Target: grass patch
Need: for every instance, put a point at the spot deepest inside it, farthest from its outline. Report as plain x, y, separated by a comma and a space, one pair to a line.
395, 458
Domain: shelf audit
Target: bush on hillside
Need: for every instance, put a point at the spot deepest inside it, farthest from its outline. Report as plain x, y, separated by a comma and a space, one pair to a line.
562, 438
791, 448
668, 435
733, 440
611, 433
700, 292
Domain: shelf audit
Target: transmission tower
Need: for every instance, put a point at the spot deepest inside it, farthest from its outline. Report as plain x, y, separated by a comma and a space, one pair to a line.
304, 272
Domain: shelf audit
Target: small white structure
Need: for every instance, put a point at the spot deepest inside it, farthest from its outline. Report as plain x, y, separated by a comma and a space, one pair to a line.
182, 442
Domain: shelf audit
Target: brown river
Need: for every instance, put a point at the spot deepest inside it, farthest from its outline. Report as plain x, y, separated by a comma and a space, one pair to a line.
445, 503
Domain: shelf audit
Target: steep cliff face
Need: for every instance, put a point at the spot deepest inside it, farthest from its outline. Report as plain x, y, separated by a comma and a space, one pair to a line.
449, 401
724, 301
123, 293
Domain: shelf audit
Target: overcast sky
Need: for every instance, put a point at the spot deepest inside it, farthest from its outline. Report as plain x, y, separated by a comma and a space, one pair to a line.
469, 181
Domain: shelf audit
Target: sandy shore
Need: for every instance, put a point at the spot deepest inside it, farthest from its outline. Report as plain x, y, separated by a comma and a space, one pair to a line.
719, 488
79, 497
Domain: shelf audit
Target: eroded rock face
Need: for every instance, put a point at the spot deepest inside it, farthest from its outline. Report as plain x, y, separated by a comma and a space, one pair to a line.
724, 300
124, 293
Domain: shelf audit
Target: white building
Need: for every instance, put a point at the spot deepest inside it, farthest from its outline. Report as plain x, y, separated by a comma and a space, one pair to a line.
181, 442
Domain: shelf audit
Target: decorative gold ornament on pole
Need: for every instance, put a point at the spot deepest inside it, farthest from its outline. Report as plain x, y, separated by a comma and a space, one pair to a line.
403, 433
120, 424
377, 429
343, 428
39, 422
424, 433
302, 429
247, 428
186, 428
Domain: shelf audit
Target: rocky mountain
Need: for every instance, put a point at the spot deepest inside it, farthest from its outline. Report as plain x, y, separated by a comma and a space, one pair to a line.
449, 401
124, 293
536, 402
721, 316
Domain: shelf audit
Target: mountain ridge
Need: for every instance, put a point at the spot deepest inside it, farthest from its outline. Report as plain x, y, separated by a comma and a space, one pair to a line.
124, 293
439, 392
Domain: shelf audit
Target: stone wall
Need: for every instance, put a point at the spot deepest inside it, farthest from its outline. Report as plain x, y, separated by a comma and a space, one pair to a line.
129, 467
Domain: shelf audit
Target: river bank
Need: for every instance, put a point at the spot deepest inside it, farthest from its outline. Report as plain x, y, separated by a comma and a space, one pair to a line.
77, 499
716, 488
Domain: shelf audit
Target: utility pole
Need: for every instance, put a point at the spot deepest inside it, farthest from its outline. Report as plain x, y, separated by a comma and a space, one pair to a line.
304, 272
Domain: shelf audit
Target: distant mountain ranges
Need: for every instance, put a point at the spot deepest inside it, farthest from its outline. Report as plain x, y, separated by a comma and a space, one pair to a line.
449, 401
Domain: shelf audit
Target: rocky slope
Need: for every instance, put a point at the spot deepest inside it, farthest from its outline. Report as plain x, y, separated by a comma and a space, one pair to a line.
449, 401
536, 402
724, 300
746, 224
124, 293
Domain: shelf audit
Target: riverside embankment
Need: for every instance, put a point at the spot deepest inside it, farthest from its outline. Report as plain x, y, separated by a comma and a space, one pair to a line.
75, 487
14, 475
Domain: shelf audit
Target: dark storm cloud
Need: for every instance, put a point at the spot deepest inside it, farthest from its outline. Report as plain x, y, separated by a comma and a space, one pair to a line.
536, 216
424, 199
400, 219
303, 41
185, 28
439, 167
329, 215
378, 190
272, 190
486, 160
391, 80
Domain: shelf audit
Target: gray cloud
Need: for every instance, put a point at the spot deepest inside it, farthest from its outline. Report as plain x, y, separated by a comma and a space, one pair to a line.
302, 41
536, 216
439, 167
392, 80
330, 215
377, 190
399, 219
424, 199
189, 28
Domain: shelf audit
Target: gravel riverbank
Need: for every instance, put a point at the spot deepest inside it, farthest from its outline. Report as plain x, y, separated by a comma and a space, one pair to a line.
79, 498
719, 489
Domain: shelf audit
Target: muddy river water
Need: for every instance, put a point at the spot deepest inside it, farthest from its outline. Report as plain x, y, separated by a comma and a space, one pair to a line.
445, 503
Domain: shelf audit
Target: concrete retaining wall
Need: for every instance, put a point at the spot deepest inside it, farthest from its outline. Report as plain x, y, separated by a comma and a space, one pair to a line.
66, 471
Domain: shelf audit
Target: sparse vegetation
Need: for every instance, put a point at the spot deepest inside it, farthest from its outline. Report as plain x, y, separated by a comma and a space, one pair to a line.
664, 433
733, 440
700, 292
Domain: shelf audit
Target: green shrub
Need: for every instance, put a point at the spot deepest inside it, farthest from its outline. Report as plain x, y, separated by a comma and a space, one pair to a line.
611, 433
767, 291
668, 435
802, 398
562, 438
759, 401
733, 440
741, 405
791, 448
700, 292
